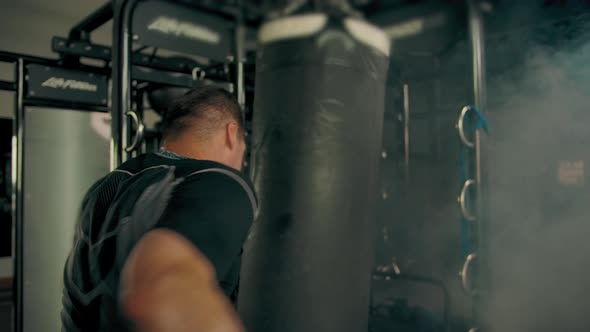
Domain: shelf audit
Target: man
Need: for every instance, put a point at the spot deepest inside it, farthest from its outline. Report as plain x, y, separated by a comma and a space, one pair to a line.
159, 239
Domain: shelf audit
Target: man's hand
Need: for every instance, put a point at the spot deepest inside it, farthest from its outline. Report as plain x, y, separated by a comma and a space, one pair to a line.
168, 285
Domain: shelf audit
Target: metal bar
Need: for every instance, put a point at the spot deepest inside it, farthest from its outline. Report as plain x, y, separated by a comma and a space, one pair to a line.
476, 30
64, 105
17, 180
91, 22
437, 101
64, 46
169, 65
10, 86
140, 111
14, 57
121, 78
143, 75
478, 170
407, 128
117, 109
28, 59
80, 48
127, 70
240, 57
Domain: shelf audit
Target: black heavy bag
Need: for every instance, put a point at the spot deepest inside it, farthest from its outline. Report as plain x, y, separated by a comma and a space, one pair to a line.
318, 116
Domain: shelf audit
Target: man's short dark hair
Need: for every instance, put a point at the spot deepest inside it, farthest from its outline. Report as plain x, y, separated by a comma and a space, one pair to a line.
202, 109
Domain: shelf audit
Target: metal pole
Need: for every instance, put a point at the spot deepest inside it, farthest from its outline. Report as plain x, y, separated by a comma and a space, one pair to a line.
139, 110
406, 93
116, 99
121, 64
240, 56
18, 149
476, 29
125, 78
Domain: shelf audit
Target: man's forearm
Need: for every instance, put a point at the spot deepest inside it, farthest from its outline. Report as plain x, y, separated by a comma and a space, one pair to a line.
168, 285
181, 301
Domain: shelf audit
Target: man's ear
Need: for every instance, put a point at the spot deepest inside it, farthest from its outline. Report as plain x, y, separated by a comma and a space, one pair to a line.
231, 135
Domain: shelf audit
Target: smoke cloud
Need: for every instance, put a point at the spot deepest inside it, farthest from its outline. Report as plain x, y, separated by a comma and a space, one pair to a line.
537, 158
538, 161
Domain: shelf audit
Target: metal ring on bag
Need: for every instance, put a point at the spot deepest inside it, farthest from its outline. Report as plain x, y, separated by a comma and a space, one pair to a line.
461, 128
462, 199
139, 132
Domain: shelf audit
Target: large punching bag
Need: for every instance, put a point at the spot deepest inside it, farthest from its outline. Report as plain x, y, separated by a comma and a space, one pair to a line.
318, 117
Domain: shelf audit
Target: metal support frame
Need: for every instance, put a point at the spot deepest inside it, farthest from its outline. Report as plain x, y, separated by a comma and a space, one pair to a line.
18, 150
69, 106
406, 119
476, 31
240, 58
122, 72
14, 57
9, 86
121, 78
68, 48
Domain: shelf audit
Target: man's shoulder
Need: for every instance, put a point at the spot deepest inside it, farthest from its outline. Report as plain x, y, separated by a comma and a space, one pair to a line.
194, 175
223, 181
183, 168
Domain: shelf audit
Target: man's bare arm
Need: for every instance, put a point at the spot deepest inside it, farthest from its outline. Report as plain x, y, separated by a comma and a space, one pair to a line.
168, 285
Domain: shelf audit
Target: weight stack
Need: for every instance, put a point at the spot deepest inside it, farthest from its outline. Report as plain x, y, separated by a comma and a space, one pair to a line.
317, 135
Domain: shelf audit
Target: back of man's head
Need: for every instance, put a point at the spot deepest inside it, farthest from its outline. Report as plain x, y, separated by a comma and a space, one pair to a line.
203, 111
206, 123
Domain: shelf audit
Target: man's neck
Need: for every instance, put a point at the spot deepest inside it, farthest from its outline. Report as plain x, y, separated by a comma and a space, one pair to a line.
193, 151
169, 154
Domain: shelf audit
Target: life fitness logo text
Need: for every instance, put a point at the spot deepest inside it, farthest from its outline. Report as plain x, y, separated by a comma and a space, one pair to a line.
61, 83
174, 27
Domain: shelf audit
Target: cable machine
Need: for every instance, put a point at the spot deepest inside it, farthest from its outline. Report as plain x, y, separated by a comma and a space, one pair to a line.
202, 46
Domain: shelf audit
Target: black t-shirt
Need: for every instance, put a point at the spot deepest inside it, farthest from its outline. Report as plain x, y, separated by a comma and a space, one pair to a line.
209, 204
